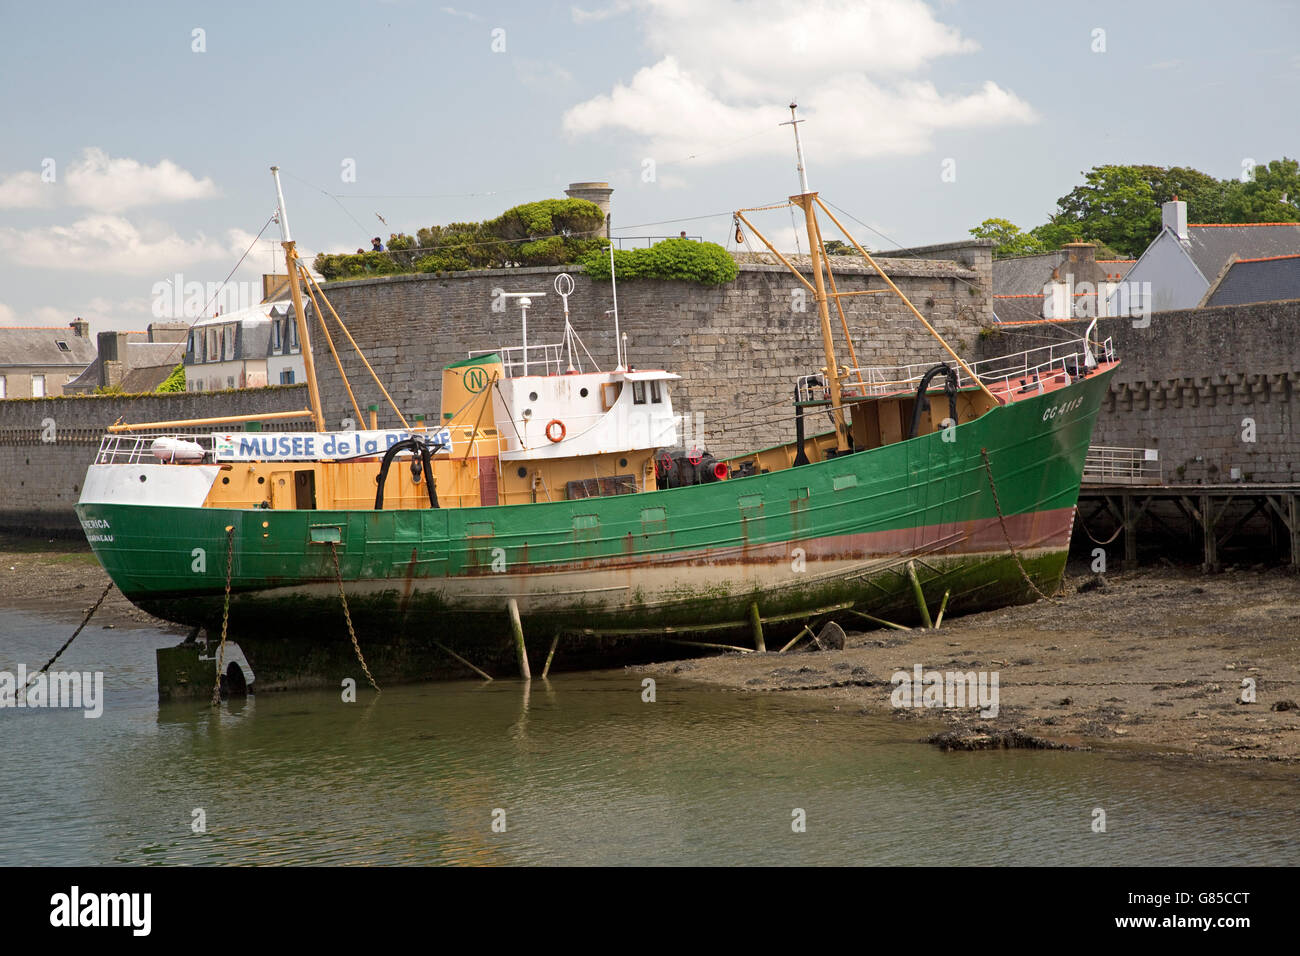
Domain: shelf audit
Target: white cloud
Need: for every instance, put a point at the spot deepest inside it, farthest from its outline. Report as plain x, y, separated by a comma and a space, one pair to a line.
7, 315
725, 70
109, 244
101, 182
24, 191
600, 13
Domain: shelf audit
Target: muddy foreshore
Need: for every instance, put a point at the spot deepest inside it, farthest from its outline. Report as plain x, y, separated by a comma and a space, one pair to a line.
1150, 662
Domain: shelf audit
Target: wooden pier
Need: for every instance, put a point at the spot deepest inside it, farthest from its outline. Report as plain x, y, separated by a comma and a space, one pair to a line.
1213, 516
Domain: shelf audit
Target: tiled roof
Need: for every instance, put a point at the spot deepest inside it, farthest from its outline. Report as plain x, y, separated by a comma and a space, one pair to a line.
1022, 307
1258, 280
1210, 246
39, 345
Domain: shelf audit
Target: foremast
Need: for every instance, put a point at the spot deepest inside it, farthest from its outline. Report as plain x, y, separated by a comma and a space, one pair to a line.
809, 201
299, 314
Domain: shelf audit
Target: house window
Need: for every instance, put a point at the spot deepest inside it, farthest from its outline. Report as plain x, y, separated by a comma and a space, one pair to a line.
277, 343
293, 335
3, 393
38, 386
656, 395
228, 342
212, 352
230, 381
286, 376
638, 393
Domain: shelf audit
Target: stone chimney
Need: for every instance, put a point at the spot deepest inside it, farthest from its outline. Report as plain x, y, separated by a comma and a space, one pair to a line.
168, 331
598, 193
1173, 216
80, 327
112, 357
1081, 263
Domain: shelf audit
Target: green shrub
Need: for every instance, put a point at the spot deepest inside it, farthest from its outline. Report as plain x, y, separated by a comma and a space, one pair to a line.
683, 259
175, 382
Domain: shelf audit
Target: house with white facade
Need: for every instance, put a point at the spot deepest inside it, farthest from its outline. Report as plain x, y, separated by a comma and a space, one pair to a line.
1185, 259
248, 348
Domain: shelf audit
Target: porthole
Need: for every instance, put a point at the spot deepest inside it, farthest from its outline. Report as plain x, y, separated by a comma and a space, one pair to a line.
522, 472
225, 481
142, 477
532, 396
583, 392
261, 479
528, 413
622, 463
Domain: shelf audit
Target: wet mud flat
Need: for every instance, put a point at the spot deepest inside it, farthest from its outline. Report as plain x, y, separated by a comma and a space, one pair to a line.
1149, 662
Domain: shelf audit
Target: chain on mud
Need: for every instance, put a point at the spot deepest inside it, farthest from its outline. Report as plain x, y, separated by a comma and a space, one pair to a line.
988, 470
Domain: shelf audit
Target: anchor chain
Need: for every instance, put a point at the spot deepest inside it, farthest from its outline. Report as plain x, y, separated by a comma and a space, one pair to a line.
338, 575
988, 470
225, 615
66, 644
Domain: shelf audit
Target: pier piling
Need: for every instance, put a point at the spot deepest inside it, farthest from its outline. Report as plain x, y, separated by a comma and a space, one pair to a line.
757, 623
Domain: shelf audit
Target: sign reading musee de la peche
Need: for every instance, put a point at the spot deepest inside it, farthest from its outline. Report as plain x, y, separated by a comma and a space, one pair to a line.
306, 446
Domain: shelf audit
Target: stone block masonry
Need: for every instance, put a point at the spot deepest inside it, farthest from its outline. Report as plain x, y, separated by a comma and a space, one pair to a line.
46, 444
738, 347
1212, 389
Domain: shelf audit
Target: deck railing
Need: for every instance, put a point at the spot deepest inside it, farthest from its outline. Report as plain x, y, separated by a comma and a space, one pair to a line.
1107, 465
542, 359
136, 449
1025, 371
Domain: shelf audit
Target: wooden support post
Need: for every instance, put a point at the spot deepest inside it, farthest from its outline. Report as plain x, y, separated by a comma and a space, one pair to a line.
1130, 532
943, 606
1293, 519
757, 623
714, 647
795, 640
447, 650
550, 655
1211, 540
920, 595
521, 652
879, 620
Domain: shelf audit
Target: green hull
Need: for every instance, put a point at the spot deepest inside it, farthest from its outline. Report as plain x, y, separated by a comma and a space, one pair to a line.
615, 574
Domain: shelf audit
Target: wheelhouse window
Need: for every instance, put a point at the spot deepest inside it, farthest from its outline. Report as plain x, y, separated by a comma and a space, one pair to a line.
656, 393
638, 393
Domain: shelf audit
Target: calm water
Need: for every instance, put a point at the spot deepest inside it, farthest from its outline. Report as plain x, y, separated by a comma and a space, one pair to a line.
585, 772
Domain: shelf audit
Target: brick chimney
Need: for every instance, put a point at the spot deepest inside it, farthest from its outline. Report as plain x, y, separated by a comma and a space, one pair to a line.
80, 327
1173, 216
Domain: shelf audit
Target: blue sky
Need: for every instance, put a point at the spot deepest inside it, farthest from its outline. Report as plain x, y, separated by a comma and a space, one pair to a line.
457, 111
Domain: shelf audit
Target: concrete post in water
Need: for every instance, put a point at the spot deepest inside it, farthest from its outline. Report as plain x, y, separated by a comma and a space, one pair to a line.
517, 627
920, 595
757, 623
550, 655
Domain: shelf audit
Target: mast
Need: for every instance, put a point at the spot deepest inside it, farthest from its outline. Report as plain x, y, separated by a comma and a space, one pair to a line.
295, 290
806, 201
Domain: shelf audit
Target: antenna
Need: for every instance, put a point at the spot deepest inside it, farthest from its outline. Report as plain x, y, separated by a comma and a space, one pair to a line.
281, 216
613, 285
798, 147
564, 288
525, 300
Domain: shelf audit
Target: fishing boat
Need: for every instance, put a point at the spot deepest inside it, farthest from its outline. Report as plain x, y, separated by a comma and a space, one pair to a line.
555, 509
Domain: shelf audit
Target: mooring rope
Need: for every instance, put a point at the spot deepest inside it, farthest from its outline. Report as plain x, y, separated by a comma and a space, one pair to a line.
225, 616
988, 470
1118, 532
66, 644
338, 575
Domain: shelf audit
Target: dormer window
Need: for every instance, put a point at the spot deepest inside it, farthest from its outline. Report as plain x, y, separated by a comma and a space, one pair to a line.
63, 346
277, 341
